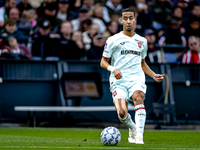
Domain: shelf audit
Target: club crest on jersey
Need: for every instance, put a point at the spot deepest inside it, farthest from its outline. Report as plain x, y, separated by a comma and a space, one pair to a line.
139, 44
114, 93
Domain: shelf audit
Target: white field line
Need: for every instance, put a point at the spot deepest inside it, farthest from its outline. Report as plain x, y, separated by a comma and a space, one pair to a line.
105, 147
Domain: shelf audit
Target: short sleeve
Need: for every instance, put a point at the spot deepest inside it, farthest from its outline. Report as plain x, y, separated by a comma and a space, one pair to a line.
144, 52
108, 49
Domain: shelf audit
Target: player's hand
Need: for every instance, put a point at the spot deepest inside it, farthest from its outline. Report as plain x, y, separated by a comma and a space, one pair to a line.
117, 74
158, 77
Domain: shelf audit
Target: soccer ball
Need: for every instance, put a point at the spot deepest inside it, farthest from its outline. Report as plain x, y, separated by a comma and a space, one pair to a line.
110, 136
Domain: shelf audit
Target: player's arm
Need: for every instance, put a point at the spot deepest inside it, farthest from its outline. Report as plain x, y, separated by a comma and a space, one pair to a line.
149, 72
105, 65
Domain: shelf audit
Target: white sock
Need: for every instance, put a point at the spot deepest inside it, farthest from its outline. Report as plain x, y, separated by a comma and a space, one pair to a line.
128, 121
140, 118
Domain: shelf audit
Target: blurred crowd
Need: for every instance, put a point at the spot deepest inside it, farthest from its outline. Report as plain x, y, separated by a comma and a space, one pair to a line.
78, 29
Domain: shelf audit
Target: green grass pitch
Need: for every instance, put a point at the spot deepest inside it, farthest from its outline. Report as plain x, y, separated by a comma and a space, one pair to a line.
89, 139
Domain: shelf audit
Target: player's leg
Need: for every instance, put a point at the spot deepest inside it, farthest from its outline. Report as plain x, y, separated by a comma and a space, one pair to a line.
125, 118
140, 114
123, 115
120, 96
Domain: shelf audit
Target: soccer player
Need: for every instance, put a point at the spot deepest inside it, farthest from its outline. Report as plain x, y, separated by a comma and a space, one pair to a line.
127, 80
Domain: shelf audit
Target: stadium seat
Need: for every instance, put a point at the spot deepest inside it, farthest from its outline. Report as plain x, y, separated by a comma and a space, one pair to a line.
167, 110
170, 57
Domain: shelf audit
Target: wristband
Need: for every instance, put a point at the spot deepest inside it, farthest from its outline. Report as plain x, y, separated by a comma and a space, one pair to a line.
111, 68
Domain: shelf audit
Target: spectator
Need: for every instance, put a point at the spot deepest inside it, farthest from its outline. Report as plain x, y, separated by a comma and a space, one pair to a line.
75, 5
5, 9
115, 17
112, 7
10, 30
106, 35
10, 4
40, 10
173, 36
88, 35
97, 12
77, 38
66, 48
113, 27
43, 41
14, 51
30, 16
66, 30
97, 47
192, 56
22, 24
184, 6
24, 5
63, 12
144, 16
84, 15
193, 27
177, 12
153, 53
192, 3
196, 11
85, 25
161, 10
89, 4
182, 22
159, 34
50, 14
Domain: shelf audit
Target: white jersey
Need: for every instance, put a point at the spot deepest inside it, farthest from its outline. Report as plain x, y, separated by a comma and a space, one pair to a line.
126, 54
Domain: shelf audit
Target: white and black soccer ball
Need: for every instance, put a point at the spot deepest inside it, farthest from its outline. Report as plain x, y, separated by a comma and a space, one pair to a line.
110, 136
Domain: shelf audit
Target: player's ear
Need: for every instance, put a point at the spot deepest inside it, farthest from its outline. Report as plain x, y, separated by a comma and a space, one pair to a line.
120, 19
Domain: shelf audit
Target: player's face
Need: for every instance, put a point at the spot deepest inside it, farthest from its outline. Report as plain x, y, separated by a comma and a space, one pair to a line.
128, 20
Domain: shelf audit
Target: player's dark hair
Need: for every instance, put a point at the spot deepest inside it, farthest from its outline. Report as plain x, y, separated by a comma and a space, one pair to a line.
127, 10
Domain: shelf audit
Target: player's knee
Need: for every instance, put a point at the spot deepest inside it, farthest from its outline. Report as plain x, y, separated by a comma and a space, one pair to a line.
122, 113
138, 99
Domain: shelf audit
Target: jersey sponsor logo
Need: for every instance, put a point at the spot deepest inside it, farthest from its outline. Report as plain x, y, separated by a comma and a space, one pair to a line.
114, 93
122, 43
124, 52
